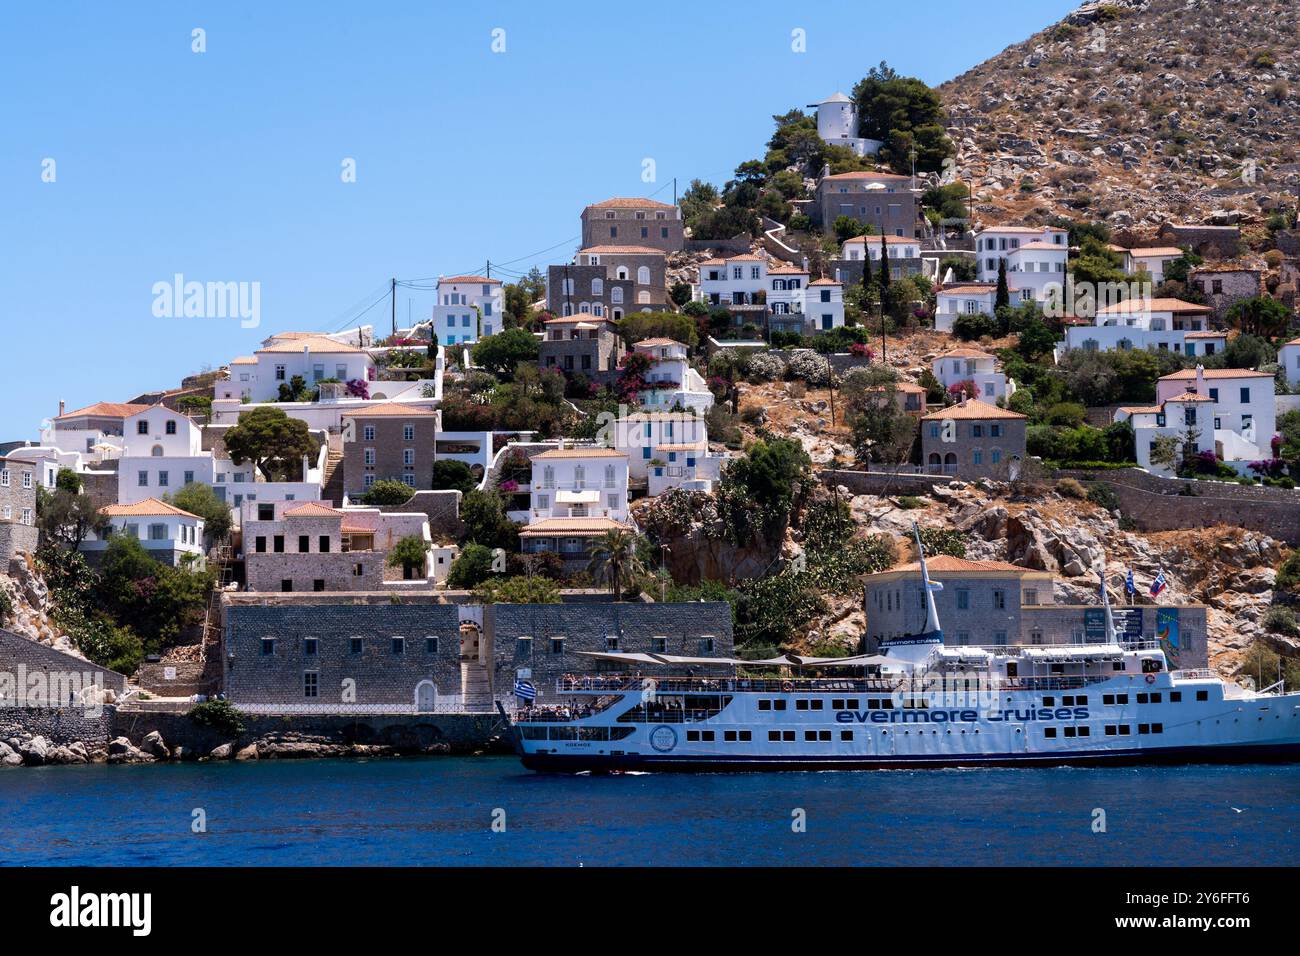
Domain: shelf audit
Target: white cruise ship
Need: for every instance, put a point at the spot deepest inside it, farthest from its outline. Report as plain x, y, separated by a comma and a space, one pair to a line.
917, 704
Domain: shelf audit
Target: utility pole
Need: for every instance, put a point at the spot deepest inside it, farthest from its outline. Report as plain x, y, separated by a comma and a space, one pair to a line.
488, 271
674, 190
393, 310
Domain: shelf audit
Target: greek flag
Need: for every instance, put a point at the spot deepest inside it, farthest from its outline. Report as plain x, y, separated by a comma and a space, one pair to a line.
525, 690
1159, 584
1129, 584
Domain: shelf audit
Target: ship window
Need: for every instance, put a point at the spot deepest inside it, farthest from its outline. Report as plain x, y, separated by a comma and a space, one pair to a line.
745, 736
1117, 666
810, 735
764, 704
1110, 730
774, 735
818, 703
787, 735
1123, 730
1085, 731
837, 703
1081, 701
1068, 731
1049, 732
1050, 702
706, 736
801, 704
1155, 698
846, 735
692, 736
853, 703
729, 736
1121, 698
1108, 699
1141, 698
1175, 697
1144, 728
1066, 701
824, 735
778, 704
1157, 728
1202, 695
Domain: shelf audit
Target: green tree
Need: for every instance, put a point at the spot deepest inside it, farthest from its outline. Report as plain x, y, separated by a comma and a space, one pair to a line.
1261, 315
501, 353
1002, 298
518, 590
387, 492
410, 553
452, 475
613, 559
906, 115
275, 443
69, 481
471, 568
67, 518
484, 516
653, 325
199, 499
159, 601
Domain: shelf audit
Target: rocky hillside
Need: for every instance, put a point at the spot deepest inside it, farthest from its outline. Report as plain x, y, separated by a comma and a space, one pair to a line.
1137, 112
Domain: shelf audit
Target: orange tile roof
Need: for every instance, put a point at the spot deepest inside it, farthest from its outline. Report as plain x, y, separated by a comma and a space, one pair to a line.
316, 343
966, 353
1142, 409
149, 508
825, 282
1190, 397
875, 240
622, 250
974, 409
1190, 374
946, 562
478, 279
580, 317
969, 289
393, 410
576, 527
592, 451
745, 257
658, 341
1211, 334
899, 387
1055, 246
864, 175
107, 410
1021, 229
312, 509
630, 202
244, 360
784, 270
1153, 251
1130, 306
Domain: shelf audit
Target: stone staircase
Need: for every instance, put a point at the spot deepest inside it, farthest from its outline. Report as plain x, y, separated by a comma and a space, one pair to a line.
475, 687
332, 489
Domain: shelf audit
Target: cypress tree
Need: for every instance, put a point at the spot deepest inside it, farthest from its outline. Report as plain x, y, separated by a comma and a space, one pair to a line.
1003, 298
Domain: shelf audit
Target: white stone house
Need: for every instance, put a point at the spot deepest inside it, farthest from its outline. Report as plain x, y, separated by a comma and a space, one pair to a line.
578, 494
468, 308
674, 384
1150, 259
170, 534
1034, 257
1288, 357
1231, 412
163, 451
900, 247
1160, 324
257, 378
970, 298
972, 365
668, 450
738, 280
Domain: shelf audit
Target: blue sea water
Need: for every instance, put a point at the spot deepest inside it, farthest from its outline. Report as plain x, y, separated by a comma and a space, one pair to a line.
439, 811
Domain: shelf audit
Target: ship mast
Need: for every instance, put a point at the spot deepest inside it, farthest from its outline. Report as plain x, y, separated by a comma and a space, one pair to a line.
932, 629
1111, 636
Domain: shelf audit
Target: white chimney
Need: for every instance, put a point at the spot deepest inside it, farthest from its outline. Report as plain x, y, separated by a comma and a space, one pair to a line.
1200, 380
62, 405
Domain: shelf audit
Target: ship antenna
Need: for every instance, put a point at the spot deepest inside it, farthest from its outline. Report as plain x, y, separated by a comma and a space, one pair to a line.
932, 628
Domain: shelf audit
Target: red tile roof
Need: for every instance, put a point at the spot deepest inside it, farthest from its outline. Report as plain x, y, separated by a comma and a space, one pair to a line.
974, 410
149, 508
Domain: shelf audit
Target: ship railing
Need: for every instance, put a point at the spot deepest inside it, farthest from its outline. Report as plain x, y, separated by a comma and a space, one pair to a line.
920, 684
1192, 673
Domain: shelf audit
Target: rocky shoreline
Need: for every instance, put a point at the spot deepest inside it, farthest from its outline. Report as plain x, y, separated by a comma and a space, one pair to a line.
179, 740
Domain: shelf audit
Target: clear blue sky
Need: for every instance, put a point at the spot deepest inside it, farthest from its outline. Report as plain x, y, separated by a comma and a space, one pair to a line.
225, 166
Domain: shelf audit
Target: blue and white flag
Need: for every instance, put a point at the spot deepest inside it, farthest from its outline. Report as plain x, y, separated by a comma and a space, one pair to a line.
934, 585
1159, 584
525, 690
1129, 584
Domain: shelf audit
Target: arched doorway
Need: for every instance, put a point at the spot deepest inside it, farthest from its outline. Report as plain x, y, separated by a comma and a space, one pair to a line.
426, 697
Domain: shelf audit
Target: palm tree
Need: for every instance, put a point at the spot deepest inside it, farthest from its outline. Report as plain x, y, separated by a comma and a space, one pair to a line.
613, 557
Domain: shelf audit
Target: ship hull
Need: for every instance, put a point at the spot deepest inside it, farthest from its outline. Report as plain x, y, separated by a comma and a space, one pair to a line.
712, 763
